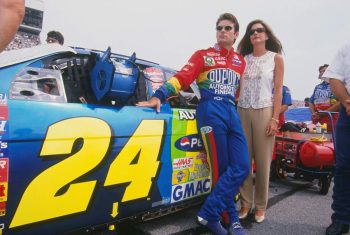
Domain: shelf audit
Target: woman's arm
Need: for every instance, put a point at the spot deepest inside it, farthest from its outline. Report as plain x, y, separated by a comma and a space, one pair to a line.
277, 95
278, 83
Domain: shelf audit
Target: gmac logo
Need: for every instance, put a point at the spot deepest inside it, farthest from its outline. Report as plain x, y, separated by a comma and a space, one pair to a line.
189, 190
189, 143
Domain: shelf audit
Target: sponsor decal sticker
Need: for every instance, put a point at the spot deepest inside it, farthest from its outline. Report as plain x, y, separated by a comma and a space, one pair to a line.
189, 190
3, 191
209, 61
206, 129
213, 54
189, 143
3, 145
155, 76
219, 58
3, 99
180, 177
2, 126
182, 163
201, 168
187, 114
188, 66
236, 61
3, 112
223, 81
2, 226
165, 201
223, 76
4, 171
184, 142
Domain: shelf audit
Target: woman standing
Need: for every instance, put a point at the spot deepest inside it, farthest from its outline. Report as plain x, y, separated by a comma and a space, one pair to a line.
259, 109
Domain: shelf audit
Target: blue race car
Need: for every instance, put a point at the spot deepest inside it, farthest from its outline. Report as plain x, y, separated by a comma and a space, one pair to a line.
75, 151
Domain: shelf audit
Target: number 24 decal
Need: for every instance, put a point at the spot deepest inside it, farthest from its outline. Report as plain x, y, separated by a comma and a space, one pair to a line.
59, 139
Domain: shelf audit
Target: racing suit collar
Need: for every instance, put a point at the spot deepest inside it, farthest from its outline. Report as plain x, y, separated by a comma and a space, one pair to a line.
223, 51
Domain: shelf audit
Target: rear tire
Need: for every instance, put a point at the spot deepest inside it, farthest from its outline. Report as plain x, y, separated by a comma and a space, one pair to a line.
324, 184
273, 170
276, 170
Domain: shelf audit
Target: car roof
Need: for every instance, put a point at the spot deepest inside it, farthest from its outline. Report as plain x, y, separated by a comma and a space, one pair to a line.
8, 58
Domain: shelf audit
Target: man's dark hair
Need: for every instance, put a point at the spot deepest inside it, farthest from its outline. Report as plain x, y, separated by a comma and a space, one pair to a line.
229, 17
56, 35
323, 66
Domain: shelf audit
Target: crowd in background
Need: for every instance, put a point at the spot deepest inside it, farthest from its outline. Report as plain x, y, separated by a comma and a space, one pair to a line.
23, 40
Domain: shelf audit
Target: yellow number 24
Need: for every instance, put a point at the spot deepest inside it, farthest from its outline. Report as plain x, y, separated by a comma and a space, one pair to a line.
40, 200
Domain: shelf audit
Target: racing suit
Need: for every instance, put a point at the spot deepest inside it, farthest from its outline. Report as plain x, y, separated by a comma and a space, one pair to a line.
217, 72
322, 99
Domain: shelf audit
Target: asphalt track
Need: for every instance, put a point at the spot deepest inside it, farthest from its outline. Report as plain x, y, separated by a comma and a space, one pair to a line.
295, 208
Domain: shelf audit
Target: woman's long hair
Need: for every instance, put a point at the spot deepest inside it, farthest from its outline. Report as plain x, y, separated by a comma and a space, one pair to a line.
245, 47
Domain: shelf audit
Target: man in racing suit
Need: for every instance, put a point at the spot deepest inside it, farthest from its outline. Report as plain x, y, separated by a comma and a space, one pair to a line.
323, 99
217, 71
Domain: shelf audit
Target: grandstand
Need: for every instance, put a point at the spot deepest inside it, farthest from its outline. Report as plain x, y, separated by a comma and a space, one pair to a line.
31, 26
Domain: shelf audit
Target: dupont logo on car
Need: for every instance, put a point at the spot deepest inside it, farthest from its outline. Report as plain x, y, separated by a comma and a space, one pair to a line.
188, 190
190, 143
182, 163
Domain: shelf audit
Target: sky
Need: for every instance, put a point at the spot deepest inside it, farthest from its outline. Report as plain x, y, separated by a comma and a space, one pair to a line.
168, 32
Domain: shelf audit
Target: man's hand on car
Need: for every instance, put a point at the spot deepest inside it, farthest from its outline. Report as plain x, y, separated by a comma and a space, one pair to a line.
154, 102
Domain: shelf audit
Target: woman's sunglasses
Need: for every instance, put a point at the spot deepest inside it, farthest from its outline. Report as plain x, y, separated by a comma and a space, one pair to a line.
258, 30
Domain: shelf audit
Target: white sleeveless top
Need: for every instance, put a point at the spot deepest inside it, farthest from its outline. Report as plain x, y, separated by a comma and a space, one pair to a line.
257, 81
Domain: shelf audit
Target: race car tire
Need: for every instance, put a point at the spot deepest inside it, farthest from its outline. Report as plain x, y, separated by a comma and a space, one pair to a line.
324, 184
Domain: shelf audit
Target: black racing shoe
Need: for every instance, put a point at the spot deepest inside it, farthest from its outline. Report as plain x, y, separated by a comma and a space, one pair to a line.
337, 229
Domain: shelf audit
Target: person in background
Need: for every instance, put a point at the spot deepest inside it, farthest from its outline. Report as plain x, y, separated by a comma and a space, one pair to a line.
55, 37
286, 102
306, 102
259, 110
338, 74
11, 16
323, 99
217, 71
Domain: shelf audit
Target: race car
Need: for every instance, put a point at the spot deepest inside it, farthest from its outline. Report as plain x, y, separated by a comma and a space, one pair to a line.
76, 152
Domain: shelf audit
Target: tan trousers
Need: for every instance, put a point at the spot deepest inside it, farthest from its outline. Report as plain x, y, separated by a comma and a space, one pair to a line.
260, 146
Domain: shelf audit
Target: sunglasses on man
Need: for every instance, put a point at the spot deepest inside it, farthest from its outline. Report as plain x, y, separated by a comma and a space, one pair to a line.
226, 28
258, 30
